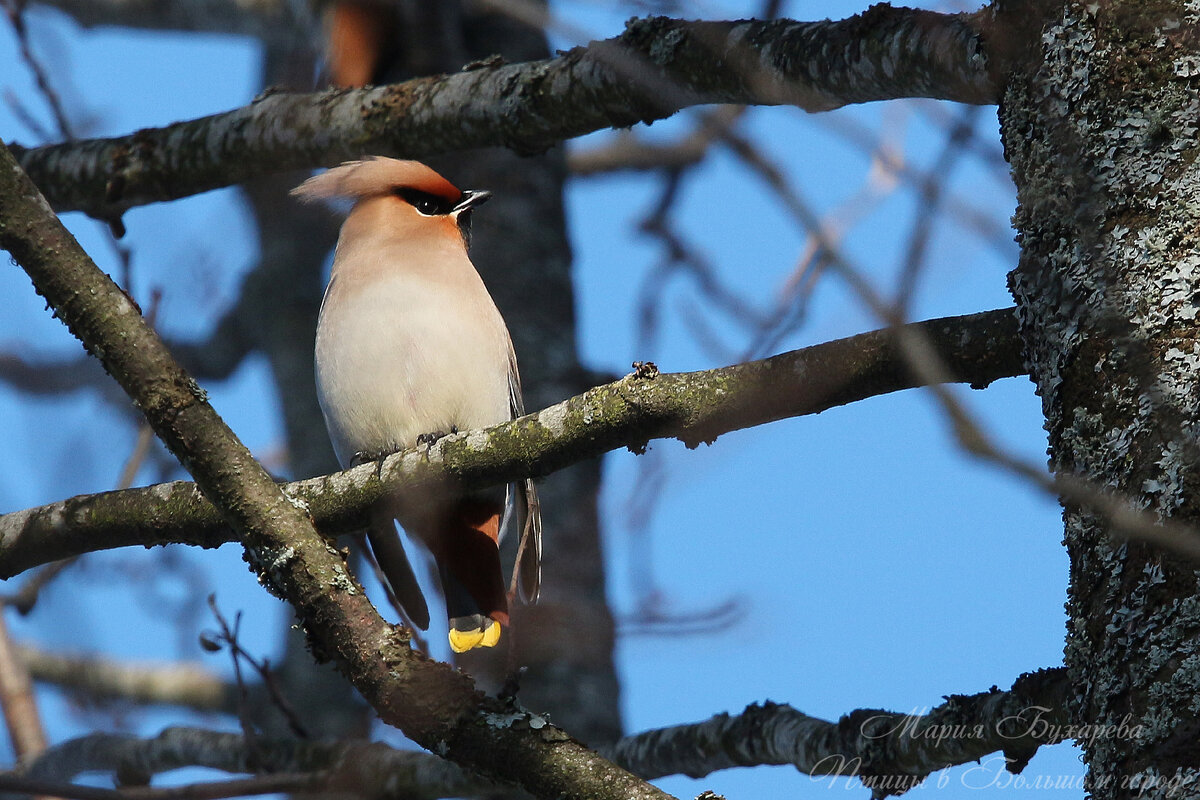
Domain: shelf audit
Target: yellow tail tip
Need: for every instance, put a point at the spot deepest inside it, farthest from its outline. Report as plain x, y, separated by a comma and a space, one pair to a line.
462, 641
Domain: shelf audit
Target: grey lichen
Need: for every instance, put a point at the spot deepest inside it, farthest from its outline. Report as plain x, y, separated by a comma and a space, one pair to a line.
268, 565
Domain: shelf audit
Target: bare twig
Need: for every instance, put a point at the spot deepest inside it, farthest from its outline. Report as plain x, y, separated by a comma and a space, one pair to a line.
967, 212
15, 9
228, 636
25, 598
367, 769
626, 151
26, 117
145, 438
922, 356
16, 697
929, 196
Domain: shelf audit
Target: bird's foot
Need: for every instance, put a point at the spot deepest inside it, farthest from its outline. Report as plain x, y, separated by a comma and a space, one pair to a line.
433, 436
363, 456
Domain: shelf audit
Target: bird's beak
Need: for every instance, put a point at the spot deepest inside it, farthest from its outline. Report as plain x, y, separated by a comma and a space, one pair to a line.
462, 211
471, 198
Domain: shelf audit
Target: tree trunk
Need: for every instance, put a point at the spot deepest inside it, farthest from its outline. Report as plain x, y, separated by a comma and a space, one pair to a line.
1101, 129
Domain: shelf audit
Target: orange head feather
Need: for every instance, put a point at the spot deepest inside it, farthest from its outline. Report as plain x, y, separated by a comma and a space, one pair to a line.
375, 176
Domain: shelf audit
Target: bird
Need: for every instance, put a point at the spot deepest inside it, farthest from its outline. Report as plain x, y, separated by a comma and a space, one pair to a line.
409, 347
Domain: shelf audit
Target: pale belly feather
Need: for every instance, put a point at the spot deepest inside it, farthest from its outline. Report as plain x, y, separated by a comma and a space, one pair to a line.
395, 361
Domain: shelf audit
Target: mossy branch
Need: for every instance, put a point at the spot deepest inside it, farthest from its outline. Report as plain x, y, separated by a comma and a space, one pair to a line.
693, 407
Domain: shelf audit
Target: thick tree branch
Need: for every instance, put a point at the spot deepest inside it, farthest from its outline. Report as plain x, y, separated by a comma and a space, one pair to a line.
434, 705
693, 407
889, 752
655, 68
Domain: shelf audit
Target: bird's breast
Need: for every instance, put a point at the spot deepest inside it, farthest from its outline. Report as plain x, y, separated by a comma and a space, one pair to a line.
402, 356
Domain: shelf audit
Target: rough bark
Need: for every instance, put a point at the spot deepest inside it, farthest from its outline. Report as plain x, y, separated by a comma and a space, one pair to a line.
889, 752
437, 707
693, 407
656, 67
1101, 129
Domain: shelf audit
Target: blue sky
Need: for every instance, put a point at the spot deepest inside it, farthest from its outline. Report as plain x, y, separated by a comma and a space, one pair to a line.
874, 563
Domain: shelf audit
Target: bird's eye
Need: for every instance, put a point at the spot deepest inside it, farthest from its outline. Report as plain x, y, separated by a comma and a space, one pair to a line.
428, 204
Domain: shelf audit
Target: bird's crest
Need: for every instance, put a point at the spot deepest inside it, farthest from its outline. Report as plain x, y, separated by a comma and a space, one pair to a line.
375, 176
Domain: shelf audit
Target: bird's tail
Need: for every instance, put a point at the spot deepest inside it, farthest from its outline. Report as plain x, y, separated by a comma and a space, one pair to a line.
393, 562
465, 547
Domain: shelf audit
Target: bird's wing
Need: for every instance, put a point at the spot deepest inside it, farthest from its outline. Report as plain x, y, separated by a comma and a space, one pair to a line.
527, 575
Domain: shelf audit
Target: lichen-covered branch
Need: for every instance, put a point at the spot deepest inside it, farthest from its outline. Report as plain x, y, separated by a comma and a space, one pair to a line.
693, 407
655, 68
889, 752
434, 705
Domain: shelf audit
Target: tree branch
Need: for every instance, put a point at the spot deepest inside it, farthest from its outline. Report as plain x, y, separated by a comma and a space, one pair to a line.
887, 751
361, 769
60, 376
182, 684
655, 68
21, 715
693, 407
216, 790
434, 705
